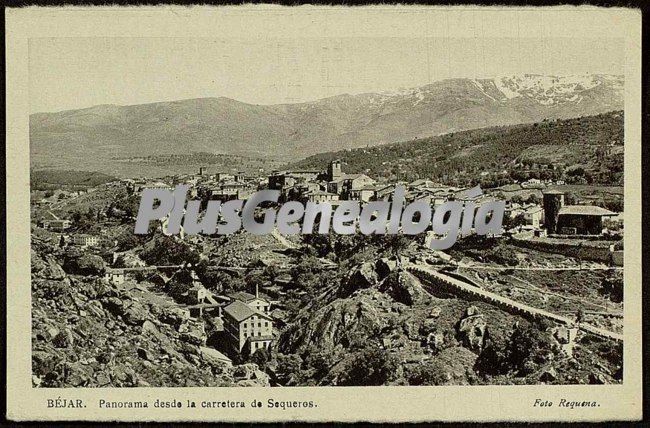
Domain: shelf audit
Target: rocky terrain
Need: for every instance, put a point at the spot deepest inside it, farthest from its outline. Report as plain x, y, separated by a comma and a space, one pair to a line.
89, 333
347, 310
381, 325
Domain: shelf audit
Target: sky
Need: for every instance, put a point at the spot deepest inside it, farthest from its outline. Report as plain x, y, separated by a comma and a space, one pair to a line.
71, 73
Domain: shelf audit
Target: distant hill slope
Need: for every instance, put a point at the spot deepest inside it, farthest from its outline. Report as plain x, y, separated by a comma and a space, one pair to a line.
580, 151
45, 178
222, 125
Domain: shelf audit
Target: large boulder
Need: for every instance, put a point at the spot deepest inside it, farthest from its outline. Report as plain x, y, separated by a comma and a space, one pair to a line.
64, 339
346, 322
359, 277
404, 288
472, 330
385, 266
135, 314
46, 267
172, 316
78, 374
436, 341
85, 264
249, 374
114, 305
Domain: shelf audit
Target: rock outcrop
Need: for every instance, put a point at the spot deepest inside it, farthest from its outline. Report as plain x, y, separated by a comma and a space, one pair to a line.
472, 329
89, 333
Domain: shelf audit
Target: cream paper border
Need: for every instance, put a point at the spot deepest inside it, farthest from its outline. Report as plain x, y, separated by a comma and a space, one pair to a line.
448, 403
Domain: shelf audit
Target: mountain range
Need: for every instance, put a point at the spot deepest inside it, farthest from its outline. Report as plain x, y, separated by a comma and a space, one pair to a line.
294, 131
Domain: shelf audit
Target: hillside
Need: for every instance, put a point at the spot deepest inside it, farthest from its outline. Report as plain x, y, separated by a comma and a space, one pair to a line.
586, 150
221, 125
44, 179
345, 311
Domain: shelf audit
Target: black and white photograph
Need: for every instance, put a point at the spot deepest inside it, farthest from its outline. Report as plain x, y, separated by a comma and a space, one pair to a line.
445, 211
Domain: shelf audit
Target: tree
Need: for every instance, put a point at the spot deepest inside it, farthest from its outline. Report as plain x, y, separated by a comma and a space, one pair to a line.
169, 251
533, 199
261, 358
84, 220
529, 347
512, 222
517, 199
288, 368
371, 366
570, 198
129, 240
396, 244
304, 273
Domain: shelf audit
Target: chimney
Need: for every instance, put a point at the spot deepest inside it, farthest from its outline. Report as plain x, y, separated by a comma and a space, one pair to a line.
257, 291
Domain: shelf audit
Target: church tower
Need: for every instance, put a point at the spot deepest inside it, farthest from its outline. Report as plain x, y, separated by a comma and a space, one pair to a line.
334, 170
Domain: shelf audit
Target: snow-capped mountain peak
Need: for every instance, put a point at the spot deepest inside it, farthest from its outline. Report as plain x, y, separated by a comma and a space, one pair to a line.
552, 90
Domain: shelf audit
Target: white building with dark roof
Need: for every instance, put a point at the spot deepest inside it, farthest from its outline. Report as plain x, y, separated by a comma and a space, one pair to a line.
248, 328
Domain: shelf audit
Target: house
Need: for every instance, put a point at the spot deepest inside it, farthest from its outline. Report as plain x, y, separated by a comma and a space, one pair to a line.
56, 225
254, 301
335, 186
582, 219
85, 240
533, 216
281, 179
115, 276
223, 176
356, 182
224, 195
364, 194
532, 183
247, 328
385, 193
321, 196
153, 185
348, 183
423, 183
198, 293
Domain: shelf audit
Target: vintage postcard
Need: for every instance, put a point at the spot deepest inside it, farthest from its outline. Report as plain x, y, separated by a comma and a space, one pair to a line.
266, 213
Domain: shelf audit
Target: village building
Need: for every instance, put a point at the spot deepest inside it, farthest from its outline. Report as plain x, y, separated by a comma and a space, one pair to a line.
364, 194
572, 219
248, 329
153, 185
84, 240
254, 301
279, 180
55, 225
385, 192
198, 293
320, 196
346, 184
533, 216
582, 219
115, 276
223, 176
533, 182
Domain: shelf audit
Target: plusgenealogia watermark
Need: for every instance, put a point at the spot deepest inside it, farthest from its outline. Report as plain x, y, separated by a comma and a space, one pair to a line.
446, 220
